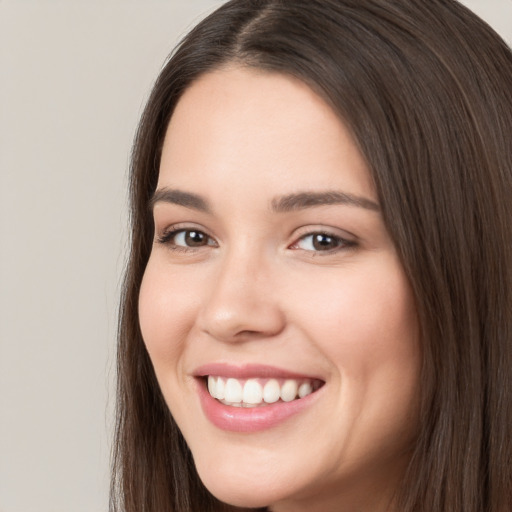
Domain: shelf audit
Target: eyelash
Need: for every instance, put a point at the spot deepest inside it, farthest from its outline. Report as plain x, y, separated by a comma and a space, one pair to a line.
342, 244
166, 238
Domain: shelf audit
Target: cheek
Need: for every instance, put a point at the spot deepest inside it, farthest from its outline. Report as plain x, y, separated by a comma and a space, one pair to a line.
365, 321
367, 327
166, 312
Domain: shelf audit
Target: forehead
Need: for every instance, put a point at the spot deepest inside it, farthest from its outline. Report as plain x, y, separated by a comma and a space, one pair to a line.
249, 126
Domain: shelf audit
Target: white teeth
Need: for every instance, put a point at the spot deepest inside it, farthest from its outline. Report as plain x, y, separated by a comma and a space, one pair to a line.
289, 391
305, 389
219, 389
212, 386
271, 391
253, 393
233, 391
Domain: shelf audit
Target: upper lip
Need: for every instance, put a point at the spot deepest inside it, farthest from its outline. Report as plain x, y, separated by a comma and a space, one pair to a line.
248, 371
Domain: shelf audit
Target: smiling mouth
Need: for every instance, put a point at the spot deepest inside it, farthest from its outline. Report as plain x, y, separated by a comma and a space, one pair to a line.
259, 392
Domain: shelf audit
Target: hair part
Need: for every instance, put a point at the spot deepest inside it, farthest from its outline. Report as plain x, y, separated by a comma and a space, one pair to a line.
424, 88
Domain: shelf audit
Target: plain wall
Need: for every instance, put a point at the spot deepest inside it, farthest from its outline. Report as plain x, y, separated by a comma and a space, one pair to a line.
74, 77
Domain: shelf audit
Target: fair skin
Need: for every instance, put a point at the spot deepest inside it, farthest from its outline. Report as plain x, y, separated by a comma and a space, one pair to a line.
242, 284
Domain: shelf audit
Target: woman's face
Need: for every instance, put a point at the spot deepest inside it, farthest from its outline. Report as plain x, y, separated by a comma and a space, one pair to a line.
272, 276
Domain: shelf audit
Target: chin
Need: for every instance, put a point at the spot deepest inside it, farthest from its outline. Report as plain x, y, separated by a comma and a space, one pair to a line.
245, 495
249, 489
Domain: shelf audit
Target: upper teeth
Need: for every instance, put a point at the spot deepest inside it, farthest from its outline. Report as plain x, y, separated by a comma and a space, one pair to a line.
254, 392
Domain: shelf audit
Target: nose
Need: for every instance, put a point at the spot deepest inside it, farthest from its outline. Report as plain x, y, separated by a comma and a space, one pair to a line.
242, 303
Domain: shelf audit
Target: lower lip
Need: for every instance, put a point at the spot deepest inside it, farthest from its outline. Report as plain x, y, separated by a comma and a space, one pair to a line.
250, 419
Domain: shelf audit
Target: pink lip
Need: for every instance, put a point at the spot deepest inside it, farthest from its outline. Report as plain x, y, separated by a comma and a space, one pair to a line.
251, 419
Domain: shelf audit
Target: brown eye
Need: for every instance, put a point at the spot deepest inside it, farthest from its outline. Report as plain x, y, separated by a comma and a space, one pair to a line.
195, 238
323, 242
186, 239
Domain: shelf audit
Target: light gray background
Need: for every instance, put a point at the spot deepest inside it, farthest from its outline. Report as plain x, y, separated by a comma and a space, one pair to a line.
74, 77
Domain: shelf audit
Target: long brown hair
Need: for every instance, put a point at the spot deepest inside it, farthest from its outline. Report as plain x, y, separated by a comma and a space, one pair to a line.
426, 89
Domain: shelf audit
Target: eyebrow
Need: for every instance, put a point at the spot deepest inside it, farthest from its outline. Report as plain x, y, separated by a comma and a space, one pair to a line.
282, 204
181, 198
304, 200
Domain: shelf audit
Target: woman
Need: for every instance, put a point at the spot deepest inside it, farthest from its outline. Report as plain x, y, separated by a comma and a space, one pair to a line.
317, 307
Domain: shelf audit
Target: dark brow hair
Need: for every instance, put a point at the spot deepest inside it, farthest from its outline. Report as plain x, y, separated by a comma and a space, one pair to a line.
281, 204
425, 88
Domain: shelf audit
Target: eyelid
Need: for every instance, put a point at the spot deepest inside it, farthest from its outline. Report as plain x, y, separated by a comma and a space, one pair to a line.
312, 229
